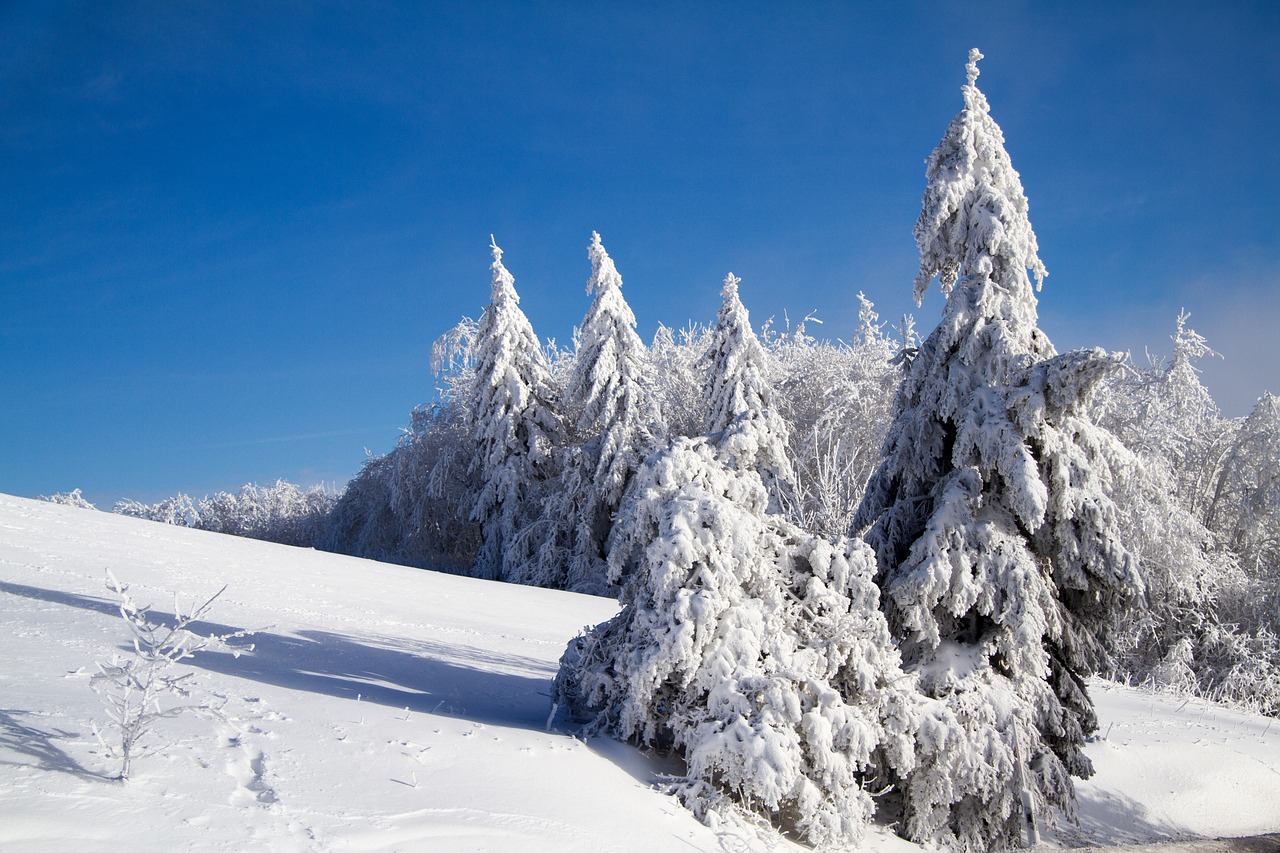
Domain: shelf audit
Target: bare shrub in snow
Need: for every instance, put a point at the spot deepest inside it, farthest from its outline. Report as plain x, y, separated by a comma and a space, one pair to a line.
138, 688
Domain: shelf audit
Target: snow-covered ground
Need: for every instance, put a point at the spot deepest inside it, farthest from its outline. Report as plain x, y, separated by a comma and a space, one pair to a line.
385, 708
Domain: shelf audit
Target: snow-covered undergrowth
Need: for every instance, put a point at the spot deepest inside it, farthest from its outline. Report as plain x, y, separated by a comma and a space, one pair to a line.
386, 708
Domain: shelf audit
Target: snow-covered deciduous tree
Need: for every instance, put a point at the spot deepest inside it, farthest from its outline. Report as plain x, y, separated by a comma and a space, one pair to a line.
280, 513
1209, 624
409, 506
740, 397
1245, 506
607, 392
514, 427
835, 399
997, 544
179, 510
1163, 412
676, 367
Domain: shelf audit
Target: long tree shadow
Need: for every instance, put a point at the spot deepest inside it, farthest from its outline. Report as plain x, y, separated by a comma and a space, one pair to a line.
425, 676
38, 746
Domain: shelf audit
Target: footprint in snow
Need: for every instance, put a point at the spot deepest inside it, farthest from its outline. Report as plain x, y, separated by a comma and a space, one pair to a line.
248, 768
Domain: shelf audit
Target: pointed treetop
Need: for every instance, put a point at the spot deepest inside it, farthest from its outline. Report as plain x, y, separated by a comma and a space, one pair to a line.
503, 282
972, 67
730, 288
603, 271
973, 220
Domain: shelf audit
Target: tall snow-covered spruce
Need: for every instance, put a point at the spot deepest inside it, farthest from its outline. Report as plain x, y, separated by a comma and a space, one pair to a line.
998, 552
607, 395
750, 646
514, 427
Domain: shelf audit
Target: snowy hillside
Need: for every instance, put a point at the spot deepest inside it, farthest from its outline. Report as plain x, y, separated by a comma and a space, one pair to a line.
385, 708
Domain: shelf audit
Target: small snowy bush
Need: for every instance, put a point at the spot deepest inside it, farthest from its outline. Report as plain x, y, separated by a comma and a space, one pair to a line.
138, 688
72, 498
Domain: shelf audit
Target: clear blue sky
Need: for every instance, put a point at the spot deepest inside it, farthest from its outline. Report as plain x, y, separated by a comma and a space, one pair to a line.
231, 231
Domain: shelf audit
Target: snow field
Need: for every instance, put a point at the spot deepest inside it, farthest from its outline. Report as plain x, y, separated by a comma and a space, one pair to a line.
386, 708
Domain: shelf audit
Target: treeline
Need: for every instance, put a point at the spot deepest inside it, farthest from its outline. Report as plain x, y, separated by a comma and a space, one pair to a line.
1199, 500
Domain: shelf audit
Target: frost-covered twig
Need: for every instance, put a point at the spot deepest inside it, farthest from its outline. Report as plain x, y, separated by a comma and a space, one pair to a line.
132, 687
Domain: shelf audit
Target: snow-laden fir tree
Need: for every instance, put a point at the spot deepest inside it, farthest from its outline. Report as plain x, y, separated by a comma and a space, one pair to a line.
738, 395
607, 392
998, 550
514, 427
751, 647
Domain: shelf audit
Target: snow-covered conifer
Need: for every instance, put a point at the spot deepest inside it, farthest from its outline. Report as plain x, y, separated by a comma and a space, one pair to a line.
739, 396
513, 425
997, 544
607, 389
751, 647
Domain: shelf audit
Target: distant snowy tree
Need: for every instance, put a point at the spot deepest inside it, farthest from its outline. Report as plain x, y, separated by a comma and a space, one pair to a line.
1245, 506
739, 395
1209, 625
751, 647
405, 507
72, 498
179, 510
998, 547
1165, 413
280, 513
835, 398
514, 428
676, 362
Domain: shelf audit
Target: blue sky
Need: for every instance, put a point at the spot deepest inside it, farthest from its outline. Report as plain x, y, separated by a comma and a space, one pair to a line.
230, 232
